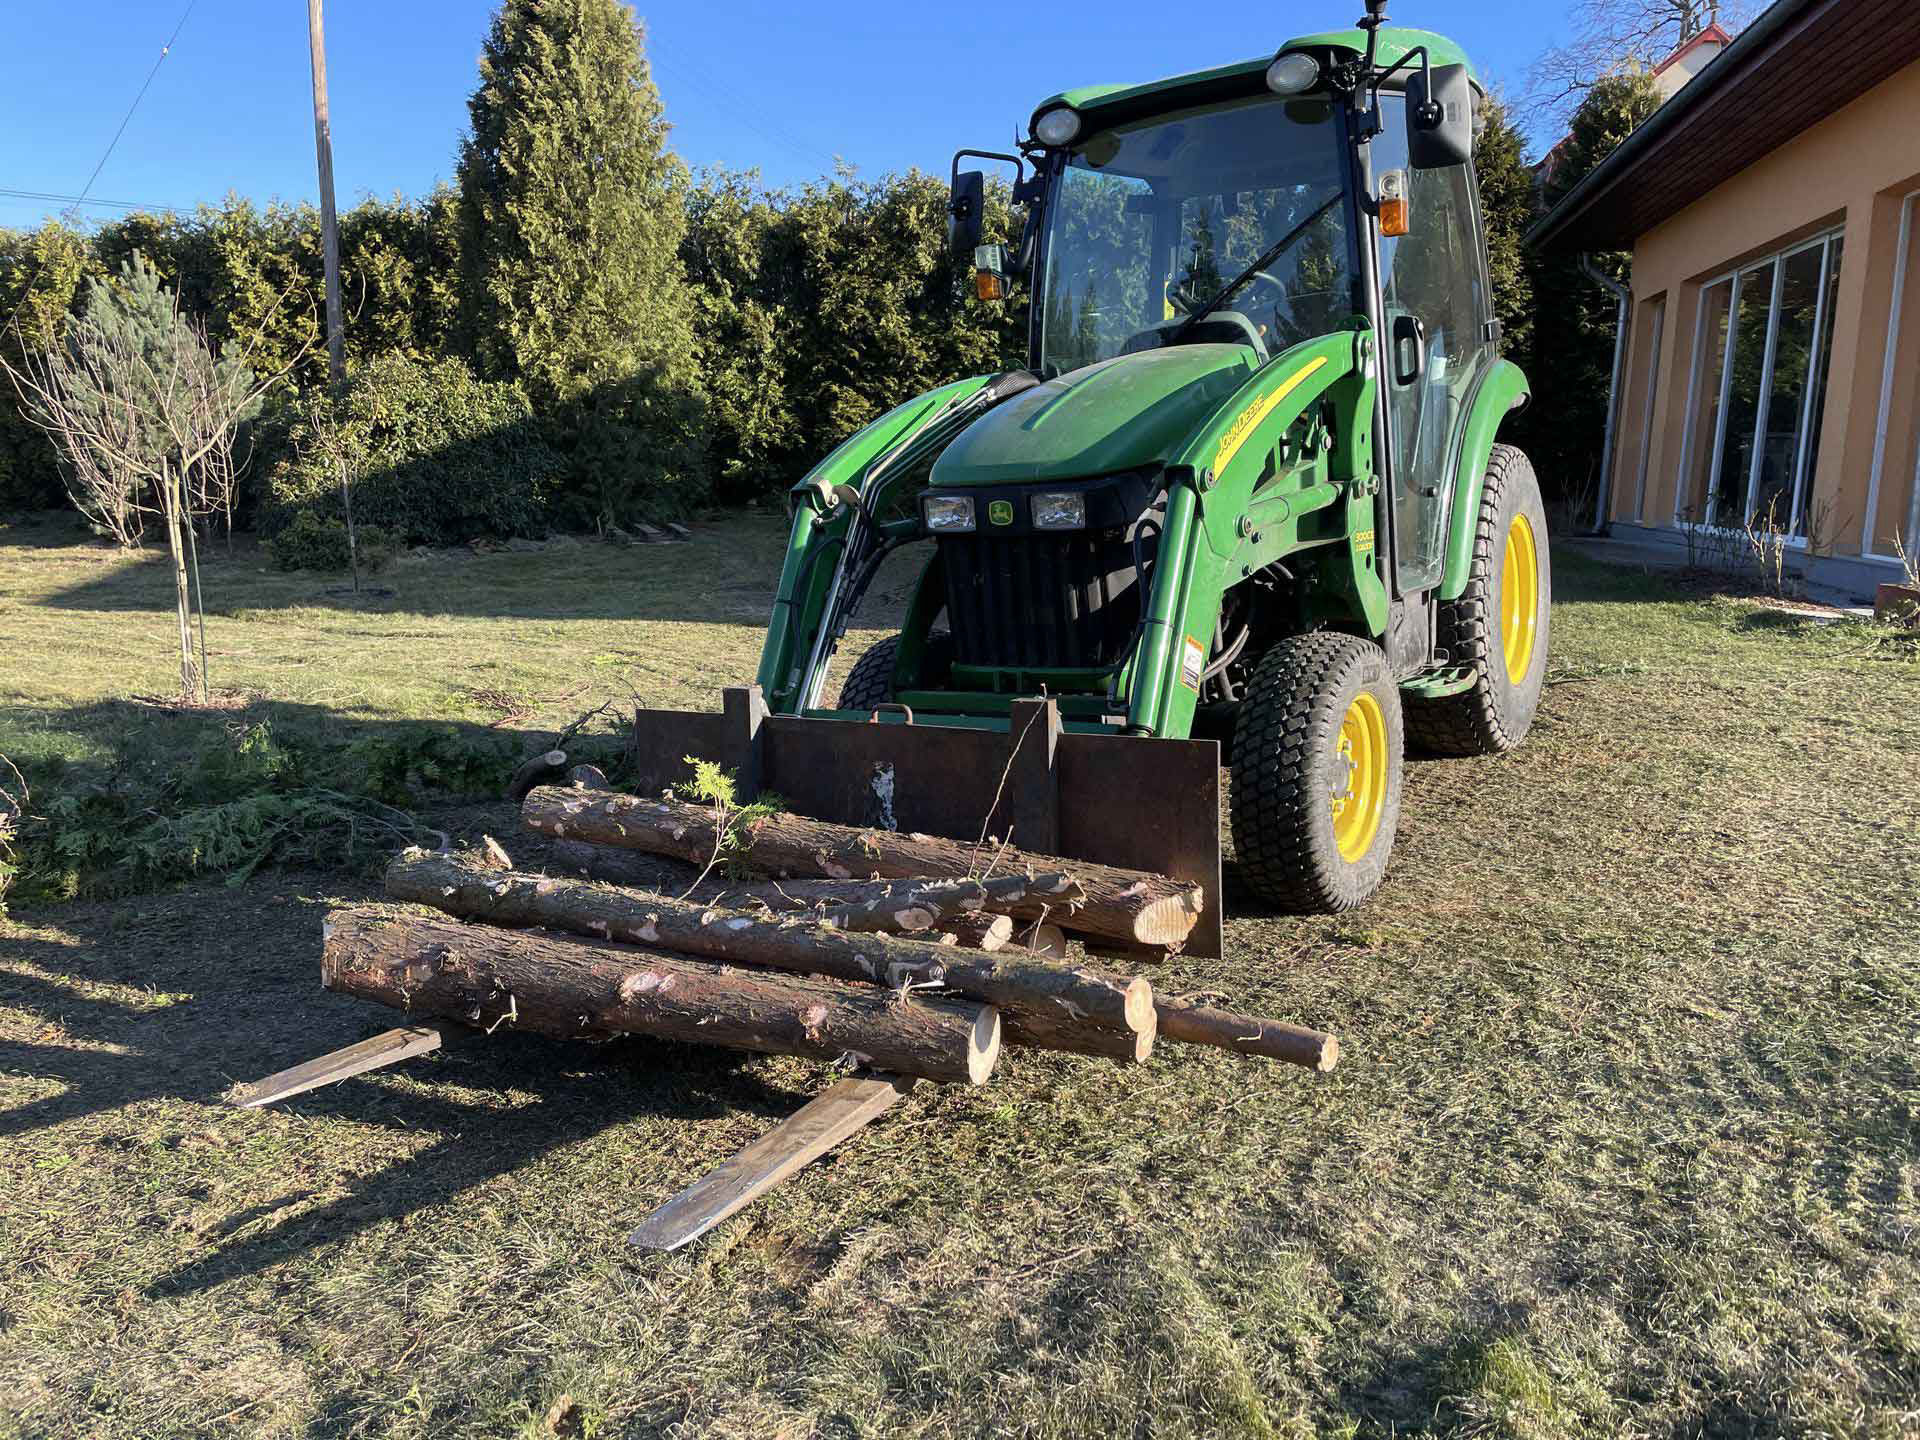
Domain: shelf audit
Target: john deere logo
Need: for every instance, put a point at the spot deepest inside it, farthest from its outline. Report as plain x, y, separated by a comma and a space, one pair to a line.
1000, 512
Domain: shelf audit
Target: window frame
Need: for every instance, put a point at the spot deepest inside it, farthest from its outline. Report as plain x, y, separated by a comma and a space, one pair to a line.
1902, 262
1711, 521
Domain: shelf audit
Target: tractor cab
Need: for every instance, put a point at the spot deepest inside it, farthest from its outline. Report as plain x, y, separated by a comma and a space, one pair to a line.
1247, 480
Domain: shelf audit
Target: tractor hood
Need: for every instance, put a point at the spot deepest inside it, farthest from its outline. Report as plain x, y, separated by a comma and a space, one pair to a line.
1121, 414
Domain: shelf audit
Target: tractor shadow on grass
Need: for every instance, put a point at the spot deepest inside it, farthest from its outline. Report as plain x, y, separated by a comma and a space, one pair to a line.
146, 1012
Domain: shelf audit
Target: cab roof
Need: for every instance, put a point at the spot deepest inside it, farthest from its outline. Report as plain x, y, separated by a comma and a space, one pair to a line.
1395, 42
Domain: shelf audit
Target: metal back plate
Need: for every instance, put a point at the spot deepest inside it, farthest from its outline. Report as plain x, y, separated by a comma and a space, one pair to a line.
1116, 799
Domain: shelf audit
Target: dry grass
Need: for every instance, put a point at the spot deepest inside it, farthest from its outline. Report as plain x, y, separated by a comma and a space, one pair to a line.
1624, 1141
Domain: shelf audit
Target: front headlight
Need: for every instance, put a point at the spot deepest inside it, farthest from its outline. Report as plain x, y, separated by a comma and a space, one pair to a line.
1060, 512
947, 512
1059, 126
1293, 74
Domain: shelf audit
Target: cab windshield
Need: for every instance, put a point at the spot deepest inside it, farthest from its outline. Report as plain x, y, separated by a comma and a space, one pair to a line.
1148, 223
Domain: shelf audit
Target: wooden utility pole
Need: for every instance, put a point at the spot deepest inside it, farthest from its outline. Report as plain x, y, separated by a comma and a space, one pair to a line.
329, 223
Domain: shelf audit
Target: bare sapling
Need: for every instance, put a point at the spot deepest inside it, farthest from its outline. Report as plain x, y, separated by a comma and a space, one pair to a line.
145, 414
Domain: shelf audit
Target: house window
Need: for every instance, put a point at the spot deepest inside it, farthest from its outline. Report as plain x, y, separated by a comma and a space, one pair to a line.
1759, 386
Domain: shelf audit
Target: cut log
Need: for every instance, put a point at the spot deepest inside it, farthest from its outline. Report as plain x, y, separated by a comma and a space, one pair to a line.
1043, 1002
428, 964
536, 770
978, 931
1042, 939
903, 907
1193, 1024
602, 862
1128, 905
588, 777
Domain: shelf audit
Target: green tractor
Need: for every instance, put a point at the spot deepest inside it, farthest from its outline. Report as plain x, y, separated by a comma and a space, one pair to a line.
1248, 486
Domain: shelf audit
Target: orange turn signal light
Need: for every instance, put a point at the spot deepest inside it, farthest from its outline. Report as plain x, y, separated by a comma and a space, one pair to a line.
1393, 218
989, 286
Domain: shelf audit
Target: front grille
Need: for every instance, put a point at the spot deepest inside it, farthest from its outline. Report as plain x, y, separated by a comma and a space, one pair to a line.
1065, 600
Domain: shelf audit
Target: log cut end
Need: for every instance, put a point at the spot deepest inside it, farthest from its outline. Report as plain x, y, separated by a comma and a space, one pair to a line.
1170, 919
1141, 1015
984, 1052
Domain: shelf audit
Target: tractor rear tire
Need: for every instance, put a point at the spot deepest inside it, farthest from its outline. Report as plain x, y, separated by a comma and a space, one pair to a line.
1317, 766
870, 682
1498, 625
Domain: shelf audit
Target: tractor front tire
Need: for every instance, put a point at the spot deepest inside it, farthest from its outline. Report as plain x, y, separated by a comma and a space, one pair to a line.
1498, 625
870, 682
1317, 765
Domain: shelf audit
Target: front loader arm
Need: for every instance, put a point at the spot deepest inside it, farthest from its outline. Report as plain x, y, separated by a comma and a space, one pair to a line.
816, 545
1246, 489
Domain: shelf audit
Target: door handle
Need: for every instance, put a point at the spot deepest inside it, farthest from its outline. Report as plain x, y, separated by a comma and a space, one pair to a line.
1409, 349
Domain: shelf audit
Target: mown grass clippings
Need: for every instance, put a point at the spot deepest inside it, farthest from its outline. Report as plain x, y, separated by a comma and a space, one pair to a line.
1623, 1140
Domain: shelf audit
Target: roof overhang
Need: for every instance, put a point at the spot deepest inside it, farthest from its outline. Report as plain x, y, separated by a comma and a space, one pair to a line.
1800, 62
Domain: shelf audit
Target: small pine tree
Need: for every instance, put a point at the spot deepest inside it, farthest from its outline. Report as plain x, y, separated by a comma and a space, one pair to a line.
572, 209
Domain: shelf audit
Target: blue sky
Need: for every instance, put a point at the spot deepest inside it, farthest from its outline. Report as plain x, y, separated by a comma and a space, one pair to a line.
785, 88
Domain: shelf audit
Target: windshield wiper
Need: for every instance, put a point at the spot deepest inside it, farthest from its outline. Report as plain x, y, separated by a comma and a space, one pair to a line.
1267, 257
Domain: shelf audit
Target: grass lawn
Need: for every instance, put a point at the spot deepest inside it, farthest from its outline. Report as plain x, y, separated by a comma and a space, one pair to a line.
1623, 1142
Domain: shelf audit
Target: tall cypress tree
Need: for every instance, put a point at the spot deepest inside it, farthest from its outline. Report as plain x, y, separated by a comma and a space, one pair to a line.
573, 210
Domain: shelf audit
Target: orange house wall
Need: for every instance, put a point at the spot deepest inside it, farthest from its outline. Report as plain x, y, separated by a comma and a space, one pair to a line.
1854, 168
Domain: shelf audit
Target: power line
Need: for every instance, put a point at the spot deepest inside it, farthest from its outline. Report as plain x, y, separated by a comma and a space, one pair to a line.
740, 109
165, 50
77, 200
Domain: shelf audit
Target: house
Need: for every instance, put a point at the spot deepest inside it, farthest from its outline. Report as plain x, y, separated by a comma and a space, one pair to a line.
1771, 372
1689, 58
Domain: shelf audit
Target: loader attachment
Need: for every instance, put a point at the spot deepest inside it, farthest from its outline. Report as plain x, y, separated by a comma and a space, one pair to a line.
1145, 804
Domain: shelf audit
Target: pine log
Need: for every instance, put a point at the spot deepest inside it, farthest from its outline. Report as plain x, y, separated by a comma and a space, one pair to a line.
604, 863
1042, 1002
1134, 906
426, 963
978, 931
536, 770
903, 907
1193, 1024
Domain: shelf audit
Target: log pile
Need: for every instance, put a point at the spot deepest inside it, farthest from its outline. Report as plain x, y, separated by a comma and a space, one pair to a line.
907, 954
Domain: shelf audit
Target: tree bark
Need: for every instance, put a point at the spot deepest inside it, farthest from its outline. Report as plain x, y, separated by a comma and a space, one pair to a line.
1134, 906
902, 906
1042, 1002
425, 963
1247, 1034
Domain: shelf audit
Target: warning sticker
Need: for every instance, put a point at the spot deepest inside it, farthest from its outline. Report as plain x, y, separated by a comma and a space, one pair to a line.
1193, 662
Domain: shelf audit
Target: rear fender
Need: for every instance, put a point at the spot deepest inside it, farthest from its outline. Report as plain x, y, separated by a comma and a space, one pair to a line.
1501, 391
818, 533
1213, 481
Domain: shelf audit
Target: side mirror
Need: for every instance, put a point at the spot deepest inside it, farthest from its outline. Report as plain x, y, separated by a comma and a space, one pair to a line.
1439, 117
966, 211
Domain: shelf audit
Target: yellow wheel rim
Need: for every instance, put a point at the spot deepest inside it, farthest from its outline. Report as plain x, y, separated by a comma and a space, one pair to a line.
1519, 599
1359, 788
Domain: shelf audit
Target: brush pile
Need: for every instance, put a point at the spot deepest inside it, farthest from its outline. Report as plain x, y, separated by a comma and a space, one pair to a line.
907, 954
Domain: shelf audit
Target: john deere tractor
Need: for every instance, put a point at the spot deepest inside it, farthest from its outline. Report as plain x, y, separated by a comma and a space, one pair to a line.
1248, 485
